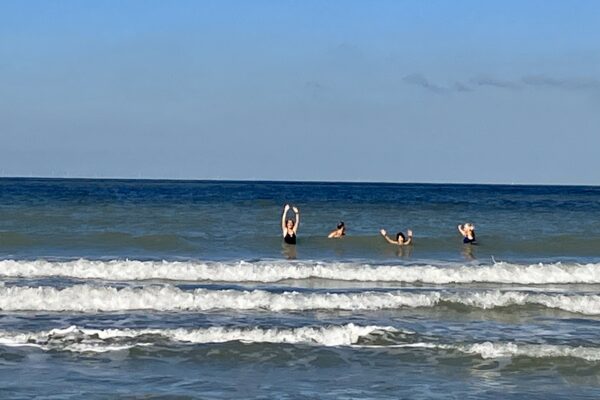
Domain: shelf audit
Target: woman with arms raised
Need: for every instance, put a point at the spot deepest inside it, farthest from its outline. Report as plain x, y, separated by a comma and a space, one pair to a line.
468, 232
289, 227
401, 240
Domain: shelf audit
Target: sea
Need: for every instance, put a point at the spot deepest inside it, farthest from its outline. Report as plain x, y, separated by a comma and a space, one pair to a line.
184, 289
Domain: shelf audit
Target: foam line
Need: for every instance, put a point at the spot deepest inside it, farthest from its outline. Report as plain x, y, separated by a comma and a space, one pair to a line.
83, 340
132, 270
491, 350
100, 340
88, 298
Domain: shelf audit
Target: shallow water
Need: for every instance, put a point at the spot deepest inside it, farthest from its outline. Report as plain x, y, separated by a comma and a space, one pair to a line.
155, 288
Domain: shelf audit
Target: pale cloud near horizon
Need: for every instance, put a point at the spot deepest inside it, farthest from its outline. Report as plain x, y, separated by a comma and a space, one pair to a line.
565, 83
422, 81
528, 81
494, 82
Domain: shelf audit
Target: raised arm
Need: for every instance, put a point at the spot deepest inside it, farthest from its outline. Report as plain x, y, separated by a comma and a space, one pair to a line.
285, 210
384, 234
462, 230
297, 212
409, 239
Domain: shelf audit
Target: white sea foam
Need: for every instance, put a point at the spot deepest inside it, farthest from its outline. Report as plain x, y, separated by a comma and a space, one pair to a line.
82, 340
88, 298
131, 270
584, 304
490, 350
100, 340
497, 350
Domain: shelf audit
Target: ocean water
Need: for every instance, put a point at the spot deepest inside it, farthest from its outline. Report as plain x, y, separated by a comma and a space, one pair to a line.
145, 289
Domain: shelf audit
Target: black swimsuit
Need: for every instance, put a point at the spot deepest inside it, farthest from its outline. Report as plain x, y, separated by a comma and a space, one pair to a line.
466, 240
290, 239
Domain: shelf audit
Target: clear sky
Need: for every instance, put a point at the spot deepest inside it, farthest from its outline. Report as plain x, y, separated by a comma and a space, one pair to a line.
399, 91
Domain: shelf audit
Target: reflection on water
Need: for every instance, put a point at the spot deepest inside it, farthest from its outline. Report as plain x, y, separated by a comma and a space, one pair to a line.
468, 252
289, 251
404, 251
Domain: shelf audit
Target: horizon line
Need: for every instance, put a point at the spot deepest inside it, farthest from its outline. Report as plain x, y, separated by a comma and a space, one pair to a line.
129, 178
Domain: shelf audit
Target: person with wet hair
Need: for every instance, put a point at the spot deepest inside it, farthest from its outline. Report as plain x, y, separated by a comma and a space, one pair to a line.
468, 232
338, 232
289, 227
401, 239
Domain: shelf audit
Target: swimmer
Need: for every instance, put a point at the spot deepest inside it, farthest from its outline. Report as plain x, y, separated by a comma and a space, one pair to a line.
289, 227
401, 240
468, 232
338, 232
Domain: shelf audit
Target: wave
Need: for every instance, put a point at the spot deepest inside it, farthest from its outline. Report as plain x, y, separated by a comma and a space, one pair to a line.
269, 272
497, 350
88, 298
101, 340
83, 340
491, 350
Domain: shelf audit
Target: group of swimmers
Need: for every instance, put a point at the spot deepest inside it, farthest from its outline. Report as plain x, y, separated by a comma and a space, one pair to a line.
289, 227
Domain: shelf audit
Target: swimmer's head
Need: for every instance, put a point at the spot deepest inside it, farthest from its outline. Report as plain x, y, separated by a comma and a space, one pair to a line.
341, 225
290, 223
399, 236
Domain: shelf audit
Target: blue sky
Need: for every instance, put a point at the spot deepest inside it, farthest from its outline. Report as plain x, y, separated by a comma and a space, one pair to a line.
399, 91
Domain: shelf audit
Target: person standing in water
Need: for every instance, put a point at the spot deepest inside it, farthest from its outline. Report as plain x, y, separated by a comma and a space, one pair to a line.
468, 232
338, 232
401, 240
289, 227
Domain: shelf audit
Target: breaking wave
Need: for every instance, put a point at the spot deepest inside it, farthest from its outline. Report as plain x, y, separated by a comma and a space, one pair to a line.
88, 298
132, 270
490, 350
98, 340
83, 340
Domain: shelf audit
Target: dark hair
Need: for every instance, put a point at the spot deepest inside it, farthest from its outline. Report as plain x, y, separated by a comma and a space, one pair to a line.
290, 220
400, 235
341, 225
